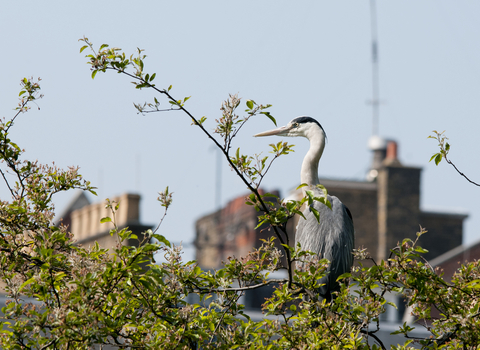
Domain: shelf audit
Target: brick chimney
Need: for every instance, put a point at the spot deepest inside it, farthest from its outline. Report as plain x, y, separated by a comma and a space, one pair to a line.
391, 158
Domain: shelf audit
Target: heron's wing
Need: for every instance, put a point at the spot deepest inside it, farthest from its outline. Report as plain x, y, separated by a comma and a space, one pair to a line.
331, 238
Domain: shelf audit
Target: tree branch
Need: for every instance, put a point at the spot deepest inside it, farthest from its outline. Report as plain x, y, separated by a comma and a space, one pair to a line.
372, 334
238, 289
458, 171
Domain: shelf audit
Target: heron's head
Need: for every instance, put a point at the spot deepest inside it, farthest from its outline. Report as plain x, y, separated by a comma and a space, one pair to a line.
300, 126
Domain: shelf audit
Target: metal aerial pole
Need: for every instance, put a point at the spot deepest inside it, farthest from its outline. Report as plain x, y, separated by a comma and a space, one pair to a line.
375, 72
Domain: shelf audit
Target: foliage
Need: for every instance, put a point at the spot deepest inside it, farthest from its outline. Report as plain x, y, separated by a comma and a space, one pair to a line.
443, 153
121, 297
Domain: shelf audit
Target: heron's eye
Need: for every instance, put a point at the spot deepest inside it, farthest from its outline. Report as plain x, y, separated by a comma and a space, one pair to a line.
295, 125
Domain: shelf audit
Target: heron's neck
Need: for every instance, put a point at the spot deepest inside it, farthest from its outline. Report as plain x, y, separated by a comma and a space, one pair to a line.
309, 172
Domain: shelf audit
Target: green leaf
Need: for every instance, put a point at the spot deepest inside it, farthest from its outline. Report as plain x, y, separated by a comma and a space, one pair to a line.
323, 189
475, 284
202, 120
162, 239
83, 48
421, 250
94, 73
315, 213
270, 117
309, 194
105, 219
260, 223
250, 104
302, 185
27, 282
345, 275
324, 201
438, 159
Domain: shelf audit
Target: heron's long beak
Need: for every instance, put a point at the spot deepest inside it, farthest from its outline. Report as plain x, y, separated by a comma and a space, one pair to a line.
283, 130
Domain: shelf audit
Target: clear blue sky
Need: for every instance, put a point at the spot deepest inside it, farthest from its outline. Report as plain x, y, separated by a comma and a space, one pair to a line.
304, 58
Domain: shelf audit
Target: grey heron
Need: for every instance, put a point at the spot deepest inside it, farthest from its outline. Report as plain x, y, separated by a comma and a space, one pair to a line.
332, 237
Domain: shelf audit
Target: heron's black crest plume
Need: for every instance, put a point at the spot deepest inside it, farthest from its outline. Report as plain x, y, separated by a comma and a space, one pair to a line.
305, 119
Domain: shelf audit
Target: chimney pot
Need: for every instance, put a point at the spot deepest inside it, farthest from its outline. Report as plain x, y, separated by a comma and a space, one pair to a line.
392, 150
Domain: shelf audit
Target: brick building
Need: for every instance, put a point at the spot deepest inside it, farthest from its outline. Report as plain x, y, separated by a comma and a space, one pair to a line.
229, 231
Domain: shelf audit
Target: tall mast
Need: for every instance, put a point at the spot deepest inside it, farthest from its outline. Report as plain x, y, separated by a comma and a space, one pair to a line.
375, 102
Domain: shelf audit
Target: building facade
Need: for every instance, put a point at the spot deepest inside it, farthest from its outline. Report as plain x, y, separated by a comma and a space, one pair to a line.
229, 232
84, 221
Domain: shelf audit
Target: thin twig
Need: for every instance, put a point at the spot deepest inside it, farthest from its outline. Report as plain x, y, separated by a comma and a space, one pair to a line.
377, 339
235, 296
331, 331
160, 110
54, 290
238, 289
161, 220
7, 183
458, 171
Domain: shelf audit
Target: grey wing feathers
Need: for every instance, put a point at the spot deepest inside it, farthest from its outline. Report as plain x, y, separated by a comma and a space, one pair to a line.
332, 238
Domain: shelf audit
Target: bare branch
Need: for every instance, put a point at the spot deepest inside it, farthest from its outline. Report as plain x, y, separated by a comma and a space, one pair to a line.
239, 289
458, 171
372, 334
